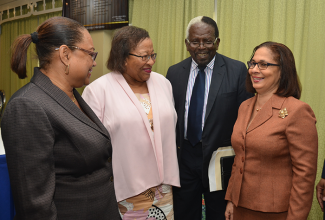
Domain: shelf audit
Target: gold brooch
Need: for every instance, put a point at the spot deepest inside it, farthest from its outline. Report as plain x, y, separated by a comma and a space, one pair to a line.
283, 113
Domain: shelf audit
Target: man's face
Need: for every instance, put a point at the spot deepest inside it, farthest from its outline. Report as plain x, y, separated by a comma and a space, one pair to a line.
201, 33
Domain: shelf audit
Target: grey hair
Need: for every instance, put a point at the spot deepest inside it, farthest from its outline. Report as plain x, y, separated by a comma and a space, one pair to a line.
192, 22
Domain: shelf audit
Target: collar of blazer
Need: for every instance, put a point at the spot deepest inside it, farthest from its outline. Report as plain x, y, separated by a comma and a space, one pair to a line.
219, 70
44, 83
275, 102
151, 87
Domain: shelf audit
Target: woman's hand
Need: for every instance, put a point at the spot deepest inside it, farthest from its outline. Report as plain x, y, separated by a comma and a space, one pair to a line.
229, 211
320, 192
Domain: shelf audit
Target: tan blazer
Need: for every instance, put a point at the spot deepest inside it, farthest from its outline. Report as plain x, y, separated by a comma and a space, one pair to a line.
276, 158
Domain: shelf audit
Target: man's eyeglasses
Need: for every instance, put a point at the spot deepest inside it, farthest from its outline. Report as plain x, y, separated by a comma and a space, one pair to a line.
146, 57
91, 53
261, 65
205, 43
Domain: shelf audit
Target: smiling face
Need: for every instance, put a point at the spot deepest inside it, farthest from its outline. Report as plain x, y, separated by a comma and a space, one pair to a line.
82, 63
265, 81
137, 70
202, 32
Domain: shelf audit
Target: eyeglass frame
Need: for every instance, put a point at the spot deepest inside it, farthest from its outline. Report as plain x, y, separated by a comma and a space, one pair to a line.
199, 43
258, 65
146, 57
90, 53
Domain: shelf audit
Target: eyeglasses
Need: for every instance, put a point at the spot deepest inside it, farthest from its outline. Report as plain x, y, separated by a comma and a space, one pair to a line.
205, 43
146, 57
261, 65
91, 53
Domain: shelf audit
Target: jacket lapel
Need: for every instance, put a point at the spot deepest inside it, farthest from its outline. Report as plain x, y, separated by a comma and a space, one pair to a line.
219, 71
248, 110
155, 112
266, 112
43, 82
89, 112
183, 82
122, 82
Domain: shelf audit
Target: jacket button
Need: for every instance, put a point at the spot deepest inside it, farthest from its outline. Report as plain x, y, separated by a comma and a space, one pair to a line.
109, 159
179, 147
242, 147
242, 159
241, 170
111, 178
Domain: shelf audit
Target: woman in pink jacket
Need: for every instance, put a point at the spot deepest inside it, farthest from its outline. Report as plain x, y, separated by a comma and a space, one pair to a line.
136, 106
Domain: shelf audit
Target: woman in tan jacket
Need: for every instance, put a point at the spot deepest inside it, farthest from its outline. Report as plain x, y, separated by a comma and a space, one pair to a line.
275, 141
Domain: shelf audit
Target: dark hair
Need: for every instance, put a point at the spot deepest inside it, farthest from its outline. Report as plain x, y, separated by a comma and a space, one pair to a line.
211, 22
51, 34
289, 84
125, 39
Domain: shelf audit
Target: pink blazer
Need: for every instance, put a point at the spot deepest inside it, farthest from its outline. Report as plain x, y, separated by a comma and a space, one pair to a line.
276, 158
141, 158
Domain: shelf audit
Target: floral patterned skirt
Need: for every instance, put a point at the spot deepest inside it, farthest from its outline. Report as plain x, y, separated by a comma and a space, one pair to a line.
154, 203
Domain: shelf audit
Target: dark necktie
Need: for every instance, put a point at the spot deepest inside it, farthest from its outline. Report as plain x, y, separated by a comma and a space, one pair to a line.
194, 125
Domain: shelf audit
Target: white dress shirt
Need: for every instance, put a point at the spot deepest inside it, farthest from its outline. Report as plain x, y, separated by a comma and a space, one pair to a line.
191, 80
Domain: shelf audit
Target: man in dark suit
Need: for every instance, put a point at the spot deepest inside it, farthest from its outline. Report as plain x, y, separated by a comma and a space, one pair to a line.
208, 89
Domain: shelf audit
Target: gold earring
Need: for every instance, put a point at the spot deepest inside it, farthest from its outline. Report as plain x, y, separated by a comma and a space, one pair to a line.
67, 69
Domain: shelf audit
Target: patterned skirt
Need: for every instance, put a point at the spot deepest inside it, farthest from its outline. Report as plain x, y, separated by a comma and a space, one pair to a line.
154, 203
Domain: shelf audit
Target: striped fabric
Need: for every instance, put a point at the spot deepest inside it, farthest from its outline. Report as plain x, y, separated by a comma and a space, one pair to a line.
191, 80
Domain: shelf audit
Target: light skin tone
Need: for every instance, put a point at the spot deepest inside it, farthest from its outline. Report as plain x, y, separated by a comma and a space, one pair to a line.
137, 70
80, 66
202, 32
266, 83
320, 192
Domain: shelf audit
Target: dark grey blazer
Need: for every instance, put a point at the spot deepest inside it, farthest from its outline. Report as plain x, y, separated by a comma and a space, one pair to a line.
59, 160
227, 92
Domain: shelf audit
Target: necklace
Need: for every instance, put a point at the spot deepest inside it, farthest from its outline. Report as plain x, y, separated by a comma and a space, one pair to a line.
258, 109
146, 106
74, 98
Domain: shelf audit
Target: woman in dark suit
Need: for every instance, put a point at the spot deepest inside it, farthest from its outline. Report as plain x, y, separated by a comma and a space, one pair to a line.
275, 141
58, 152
